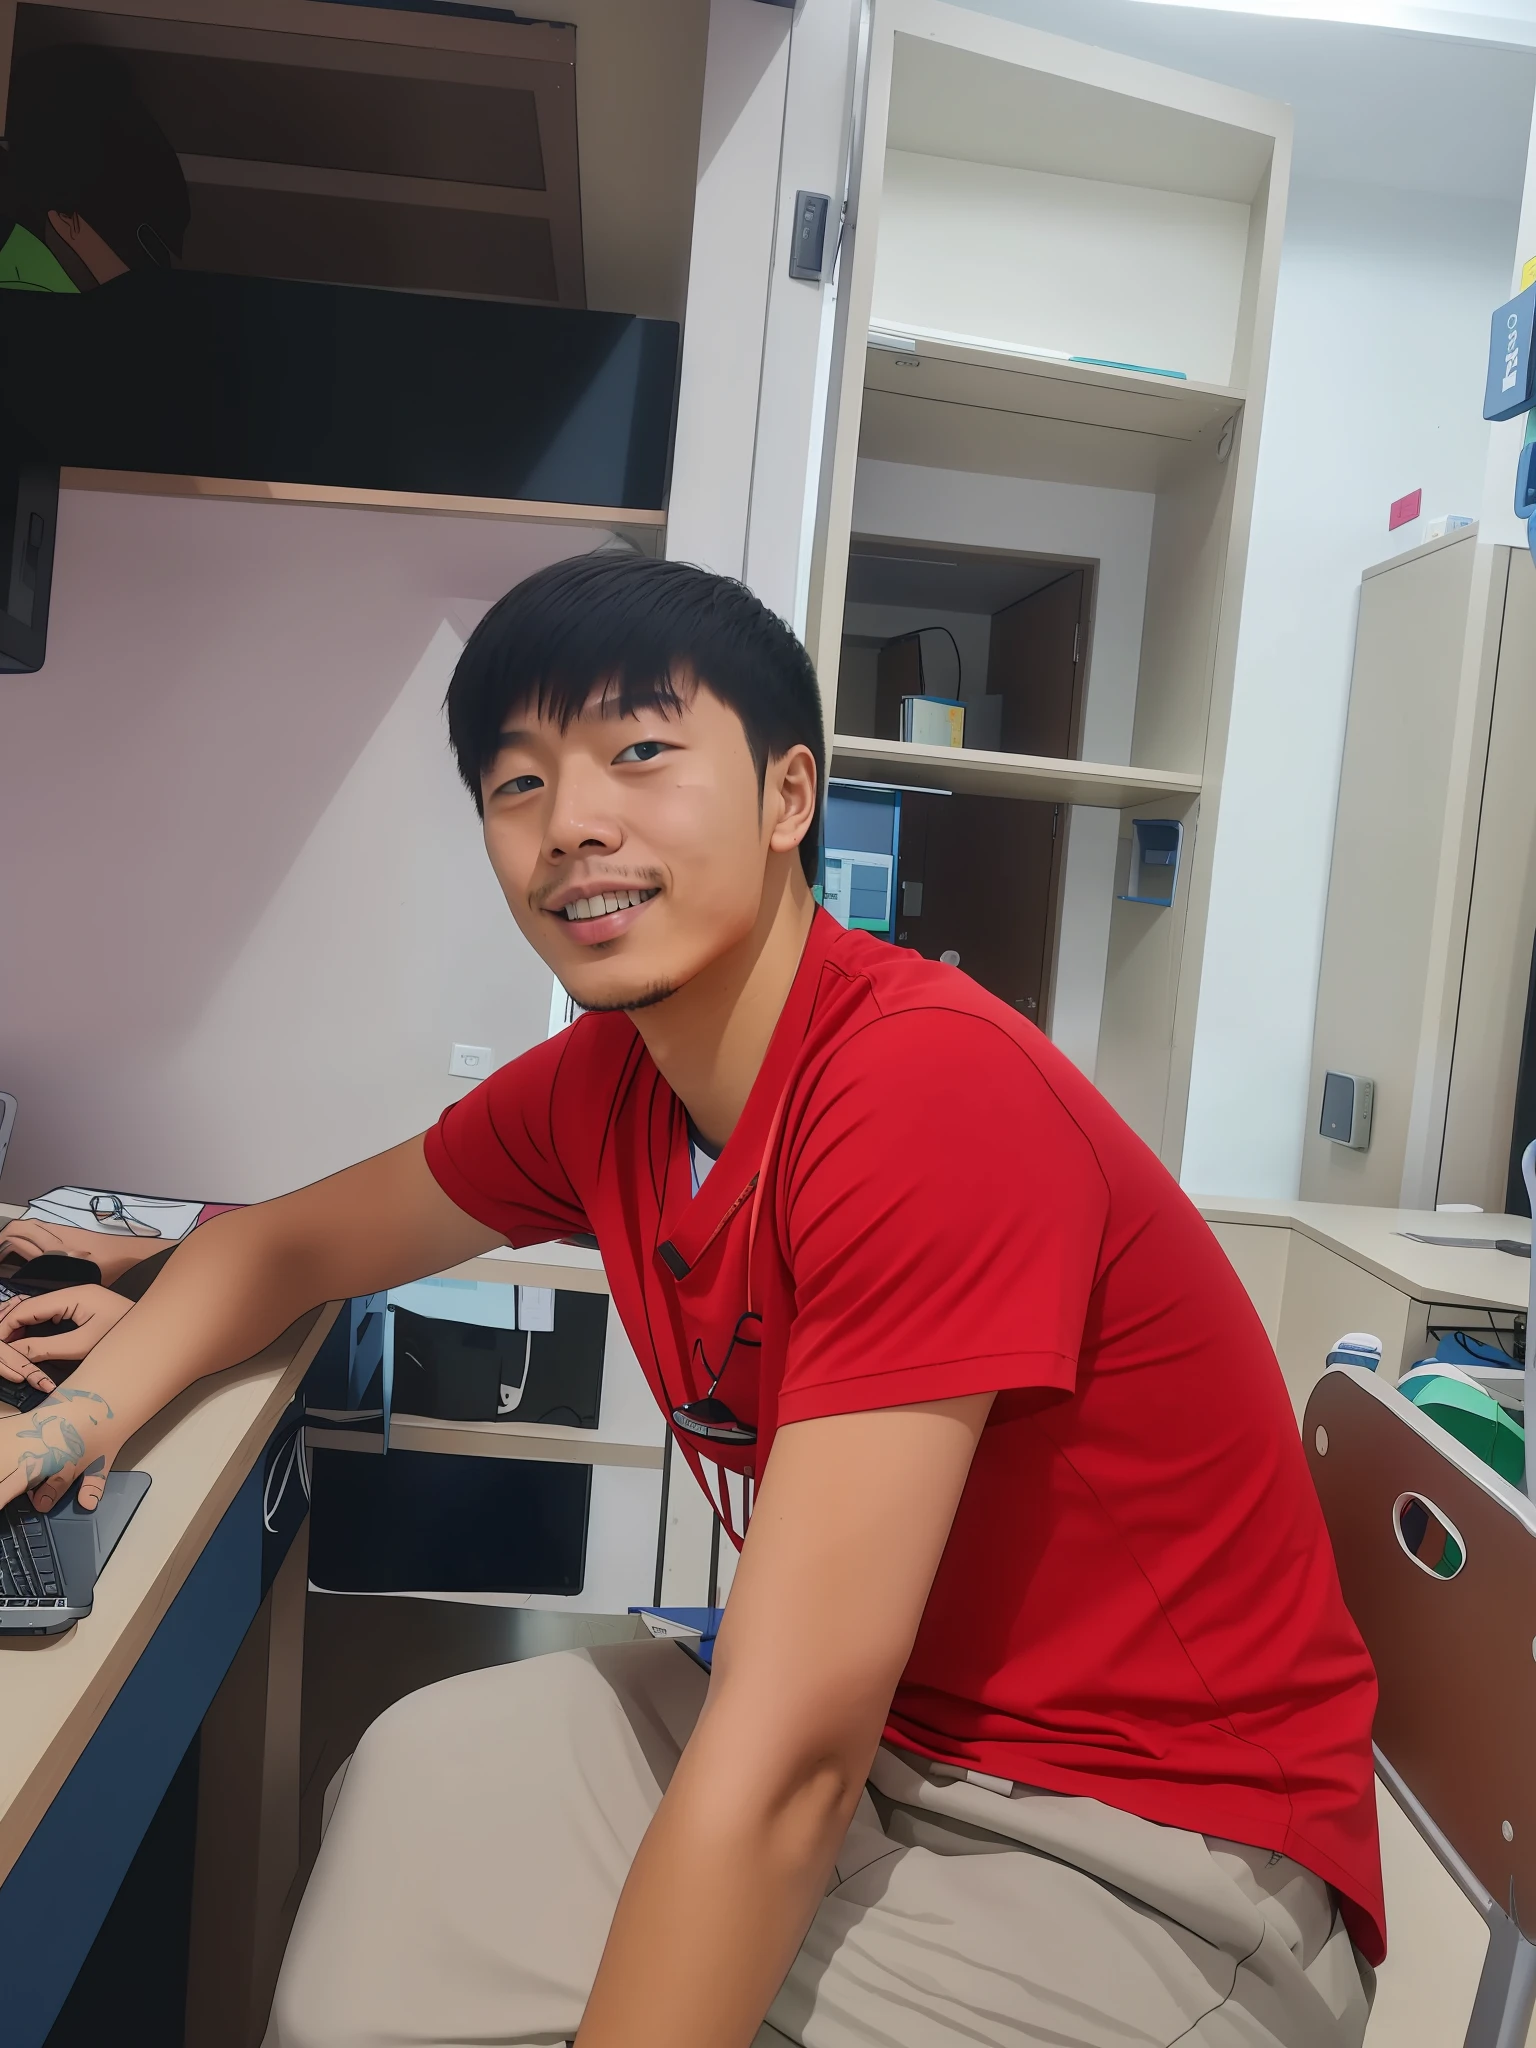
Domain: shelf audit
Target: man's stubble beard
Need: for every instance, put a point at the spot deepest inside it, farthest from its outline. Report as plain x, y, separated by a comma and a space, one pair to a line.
646, 1000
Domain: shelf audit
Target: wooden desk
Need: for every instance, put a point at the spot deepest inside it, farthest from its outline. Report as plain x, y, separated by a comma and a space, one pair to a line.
1316, 1269
96, 1720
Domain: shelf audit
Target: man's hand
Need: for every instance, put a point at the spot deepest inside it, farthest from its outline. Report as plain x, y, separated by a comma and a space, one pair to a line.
234, 1284
27, 1238
92, 1310
71, 1436
847, 1534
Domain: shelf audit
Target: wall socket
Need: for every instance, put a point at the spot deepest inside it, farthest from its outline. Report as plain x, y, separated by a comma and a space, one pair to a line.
471, 1062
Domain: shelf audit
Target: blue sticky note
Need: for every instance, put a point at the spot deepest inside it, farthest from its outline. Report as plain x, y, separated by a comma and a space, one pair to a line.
1511, 385
1525, 481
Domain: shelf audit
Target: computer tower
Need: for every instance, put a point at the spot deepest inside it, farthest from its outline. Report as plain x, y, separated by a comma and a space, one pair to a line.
413, 1522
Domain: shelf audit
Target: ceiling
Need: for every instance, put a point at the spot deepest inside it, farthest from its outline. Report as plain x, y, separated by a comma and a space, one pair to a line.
1373, 106
944, 579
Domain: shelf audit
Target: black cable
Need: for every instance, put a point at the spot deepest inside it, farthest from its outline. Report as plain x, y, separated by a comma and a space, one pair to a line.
916, 634
959, 664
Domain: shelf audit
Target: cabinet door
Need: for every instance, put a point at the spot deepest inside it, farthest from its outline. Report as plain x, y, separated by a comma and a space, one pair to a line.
1034, 665
1403, 812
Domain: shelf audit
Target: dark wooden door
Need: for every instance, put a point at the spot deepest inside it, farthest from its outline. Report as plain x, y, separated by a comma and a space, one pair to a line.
1036, 664
986, 869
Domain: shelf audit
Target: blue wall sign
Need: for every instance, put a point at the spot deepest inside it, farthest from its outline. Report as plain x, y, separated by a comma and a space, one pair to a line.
1511, 388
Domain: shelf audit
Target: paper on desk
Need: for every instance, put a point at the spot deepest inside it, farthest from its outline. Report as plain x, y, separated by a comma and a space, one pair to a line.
535, 1308
141, 1215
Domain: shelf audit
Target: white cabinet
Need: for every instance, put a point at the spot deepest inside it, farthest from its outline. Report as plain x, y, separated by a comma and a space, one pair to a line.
1432, 889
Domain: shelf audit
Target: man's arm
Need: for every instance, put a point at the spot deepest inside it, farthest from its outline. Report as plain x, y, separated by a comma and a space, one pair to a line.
235, 1284
846, 1537
28, 1237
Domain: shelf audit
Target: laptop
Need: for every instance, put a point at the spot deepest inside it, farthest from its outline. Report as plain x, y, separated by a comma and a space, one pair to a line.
49, 1564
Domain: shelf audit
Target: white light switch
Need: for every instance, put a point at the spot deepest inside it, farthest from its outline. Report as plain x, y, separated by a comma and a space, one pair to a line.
471, 1062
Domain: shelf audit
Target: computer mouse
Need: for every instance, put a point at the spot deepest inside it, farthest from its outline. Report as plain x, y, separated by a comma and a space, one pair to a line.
49, 1272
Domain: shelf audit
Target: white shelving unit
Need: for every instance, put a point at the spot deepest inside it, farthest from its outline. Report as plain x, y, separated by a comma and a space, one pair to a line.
1033, 777
1059, 265
1144, 419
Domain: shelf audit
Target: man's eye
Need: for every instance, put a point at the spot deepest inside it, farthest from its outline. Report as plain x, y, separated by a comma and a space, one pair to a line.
519, 785
643, 750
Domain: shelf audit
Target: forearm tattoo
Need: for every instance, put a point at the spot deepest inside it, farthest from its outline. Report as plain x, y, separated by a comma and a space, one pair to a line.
59, 1432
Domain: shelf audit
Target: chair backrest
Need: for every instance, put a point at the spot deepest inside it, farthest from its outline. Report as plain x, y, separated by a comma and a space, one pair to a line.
1437, 1557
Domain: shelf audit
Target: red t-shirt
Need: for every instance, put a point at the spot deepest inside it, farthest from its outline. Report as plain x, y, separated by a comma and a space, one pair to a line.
1137, 1601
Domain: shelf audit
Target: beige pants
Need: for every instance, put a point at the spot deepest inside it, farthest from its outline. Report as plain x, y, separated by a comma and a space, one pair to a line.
485, 1827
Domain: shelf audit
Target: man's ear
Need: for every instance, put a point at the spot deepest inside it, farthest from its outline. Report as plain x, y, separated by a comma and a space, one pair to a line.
790, 798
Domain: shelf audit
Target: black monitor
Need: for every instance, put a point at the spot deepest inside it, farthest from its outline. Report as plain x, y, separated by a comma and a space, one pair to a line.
29, 514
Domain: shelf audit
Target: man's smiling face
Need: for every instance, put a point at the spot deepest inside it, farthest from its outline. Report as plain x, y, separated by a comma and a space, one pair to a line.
633, 849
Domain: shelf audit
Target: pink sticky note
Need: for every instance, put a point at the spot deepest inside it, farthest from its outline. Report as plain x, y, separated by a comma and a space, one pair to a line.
1404, 509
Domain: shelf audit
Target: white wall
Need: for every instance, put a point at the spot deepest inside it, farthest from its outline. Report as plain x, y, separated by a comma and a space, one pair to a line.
250, 910
1375, 387
1113, 528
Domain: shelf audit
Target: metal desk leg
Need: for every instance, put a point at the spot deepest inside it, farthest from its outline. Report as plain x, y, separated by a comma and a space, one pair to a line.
1506, 1991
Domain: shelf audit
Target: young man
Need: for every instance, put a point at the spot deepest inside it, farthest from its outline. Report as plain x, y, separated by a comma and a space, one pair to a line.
1036, 1715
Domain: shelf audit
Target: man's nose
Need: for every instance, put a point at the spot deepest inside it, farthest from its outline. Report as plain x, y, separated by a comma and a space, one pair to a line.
579, 821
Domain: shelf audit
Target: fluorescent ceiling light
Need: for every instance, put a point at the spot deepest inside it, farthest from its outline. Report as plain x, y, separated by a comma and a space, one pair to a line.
917, 561
888, 788
904, 340
1492, 21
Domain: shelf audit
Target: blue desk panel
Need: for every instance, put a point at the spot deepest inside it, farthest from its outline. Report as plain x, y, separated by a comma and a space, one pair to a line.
57, 1895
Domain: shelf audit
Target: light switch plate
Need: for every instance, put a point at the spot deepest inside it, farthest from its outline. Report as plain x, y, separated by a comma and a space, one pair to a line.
808, 236
471, 1062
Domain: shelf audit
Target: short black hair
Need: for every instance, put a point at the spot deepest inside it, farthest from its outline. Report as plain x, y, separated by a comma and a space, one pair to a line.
635, 626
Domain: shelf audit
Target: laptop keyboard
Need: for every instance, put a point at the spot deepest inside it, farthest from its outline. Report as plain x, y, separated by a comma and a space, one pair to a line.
29, 1572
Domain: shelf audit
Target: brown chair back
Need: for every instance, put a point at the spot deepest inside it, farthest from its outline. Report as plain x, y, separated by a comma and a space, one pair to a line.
1453, 1640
